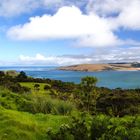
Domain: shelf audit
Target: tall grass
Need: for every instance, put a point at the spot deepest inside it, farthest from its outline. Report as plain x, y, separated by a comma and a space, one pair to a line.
45, 104
62, 107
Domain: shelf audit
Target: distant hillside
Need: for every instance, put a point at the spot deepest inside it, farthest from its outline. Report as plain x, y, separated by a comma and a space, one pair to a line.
103, 67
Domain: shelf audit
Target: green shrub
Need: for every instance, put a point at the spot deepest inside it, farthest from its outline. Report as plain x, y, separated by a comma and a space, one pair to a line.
113, 128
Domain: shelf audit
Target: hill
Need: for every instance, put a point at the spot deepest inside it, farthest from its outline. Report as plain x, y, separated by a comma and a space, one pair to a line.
102, 67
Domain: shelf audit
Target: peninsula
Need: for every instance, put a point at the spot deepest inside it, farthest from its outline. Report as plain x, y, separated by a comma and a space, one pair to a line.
103, 67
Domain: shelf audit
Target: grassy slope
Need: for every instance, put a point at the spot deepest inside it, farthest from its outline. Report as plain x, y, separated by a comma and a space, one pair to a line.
31, 85
21, 125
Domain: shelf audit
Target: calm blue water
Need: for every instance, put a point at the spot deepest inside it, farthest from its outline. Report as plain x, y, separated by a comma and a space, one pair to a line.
110, 79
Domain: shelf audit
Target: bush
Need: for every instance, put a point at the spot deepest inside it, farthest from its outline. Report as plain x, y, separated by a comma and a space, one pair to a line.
106, 128
76, 130
99, 127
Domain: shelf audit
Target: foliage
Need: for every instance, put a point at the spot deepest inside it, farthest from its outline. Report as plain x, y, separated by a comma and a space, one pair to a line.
119, 102
88, 94
21, 76
36, 87
100, 127
78, 129
105, 128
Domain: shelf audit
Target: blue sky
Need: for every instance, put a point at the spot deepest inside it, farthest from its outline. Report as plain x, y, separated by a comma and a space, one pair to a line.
66, 32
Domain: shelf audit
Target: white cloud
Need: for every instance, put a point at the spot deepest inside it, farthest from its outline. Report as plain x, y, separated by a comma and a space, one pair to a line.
16, 7
39, 59
130, 54
127, 12
130, 16
99, 56
107, 7
10, 8
68, 22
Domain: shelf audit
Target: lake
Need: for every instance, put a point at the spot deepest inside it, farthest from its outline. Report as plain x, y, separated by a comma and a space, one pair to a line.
110, 79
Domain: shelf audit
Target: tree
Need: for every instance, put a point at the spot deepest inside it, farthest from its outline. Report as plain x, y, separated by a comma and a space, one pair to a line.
89, 94
2, 74
47, 87
22, 76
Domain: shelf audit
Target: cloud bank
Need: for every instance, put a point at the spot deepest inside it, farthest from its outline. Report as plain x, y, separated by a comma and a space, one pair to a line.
99, 56
40, 59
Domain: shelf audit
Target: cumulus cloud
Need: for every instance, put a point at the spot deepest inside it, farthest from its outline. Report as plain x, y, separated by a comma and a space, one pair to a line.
68, 22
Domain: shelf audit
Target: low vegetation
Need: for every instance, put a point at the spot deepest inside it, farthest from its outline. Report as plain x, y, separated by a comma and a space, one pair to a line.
44, 109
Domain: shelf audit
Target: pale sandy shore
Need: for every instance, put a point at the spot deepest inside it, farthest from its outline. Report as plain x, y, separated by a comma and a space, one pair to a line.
100, 67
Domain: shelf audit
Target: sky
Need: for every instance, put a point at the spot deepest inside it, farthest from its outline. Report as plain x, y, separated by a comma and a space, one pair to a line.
67, 32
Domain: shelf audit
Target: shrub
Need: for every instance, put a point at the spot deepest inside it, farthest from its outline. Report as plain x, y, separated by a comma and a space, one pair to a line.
76, 130
47, 87
106, 128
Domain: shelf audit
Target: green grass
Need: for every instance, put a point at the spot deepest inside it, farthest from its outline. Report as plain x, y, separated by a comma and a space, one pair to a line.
15, 125
31, 85
45, 104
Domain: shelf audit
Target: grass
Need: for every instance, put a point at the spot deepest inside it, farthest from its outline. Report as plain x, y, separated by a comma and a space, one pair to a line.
31, 85
21, 125
45, 104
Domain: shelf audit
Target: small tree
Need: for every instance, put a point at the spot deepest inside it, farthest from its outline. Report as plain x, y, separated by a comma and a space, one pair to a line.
2, 74
22, 76
47, 87
89, 94
36, 87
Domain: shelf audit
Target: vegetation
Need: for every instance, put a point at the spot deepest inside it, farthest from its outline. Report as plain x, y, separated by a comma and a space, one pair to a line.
15, 125
44, 109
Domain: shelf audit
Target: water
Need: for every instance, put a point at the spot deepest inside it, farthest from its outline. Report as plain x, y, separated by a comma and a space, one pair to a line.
110, 79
